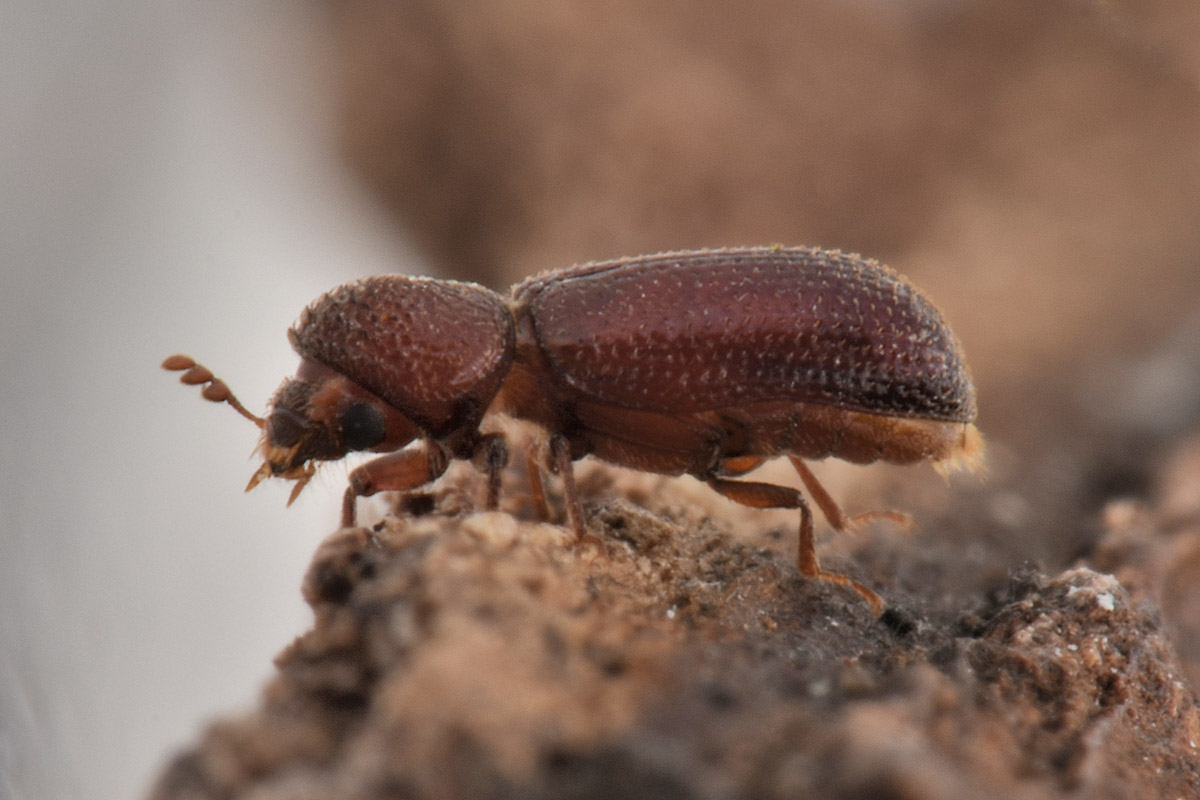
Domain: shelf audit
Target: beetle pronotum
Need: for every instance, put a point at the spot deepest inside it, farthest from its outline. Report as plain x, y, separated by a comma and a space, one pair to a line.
705, 362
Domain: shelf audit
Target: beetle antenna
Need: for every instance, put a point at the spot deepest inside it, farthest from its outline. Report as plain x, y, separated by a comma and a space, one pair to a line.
214, 389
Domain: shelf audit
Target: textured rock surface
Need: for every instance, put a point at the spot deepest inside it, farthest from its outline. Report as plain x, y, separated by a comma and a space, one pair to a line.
479, 656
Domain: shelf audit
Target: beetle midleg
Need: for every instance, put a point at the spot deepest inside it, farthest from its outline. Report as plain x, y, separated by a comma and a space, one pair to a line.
491, 455
537, 492
768, 495
560, 456
839, 520
395, 472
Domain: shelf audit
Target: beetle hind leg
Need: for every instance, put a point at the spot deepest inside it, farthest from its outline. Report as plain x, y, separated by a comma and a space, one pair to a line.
769, 495
838, 519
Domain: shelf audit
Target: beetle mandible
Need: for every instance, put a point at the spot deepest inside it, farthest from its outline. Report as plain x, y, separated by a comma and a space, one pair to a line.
703, 362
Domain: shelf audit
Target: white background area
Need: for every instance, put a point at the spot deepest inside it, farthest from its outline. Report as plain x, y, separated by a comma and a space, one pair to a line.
168, 183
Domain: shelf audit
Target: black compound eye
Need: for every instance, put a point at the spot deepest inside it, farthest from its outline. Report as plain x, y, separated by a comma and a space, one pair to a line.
362, 427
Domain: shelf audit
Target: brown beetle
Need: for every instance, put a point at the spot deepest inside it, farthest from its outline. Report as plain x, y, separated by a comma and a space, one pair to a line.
705, 362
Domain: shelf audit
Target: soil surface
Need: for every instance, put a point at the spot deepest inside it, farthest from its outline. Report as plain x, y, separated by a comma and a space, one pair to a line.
476, 654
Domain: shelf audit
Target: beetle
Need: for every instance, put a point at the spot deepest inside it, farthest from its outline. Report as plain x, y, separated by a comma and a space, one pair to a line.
704, 362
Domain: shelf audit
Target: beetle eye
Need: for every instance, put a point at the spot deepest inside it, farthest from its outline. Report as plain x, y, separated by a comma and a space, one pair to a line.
362, 427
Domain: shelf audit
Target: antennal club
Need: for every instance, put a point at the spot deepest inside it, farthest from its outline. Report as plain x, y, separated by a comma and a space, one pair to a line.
214, 389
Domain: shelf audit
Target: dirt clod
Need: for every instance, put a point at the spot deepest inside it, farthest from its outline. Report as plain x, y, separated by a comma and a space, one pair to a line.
482, 656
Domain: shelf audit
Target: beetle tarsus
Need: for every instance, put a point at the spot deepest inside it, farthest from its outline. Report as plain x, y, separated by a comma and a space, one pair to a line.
769, 495
838, 519
904, 522
810, 567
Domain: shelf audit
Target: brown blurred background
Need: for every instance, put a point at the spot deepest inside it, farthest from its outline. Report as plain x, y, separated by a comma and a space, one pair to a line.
1035, 166
1036, 163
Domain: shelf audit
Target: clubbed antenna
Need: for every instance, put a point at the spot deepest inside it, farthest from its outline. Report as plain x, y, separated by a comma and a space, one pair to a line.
214, 389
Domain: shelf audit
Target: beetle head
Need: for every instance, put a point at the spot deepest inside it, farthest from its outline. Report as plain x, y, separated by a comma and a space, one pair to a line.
320, 415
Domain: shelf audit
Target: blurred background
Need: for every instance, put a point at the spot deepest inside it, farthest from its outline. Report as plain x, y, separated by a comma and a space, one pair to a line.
185, 178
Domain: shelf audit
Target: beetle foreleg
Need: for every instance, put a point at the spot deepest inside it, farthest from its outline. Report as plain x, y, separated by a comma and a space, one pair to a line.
396, 472
768, 495
839, 520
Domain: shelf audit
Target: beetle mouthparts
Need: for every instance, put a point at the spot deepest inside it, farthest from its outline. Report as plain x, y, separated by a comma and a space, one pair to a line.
301, 475
262, 472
